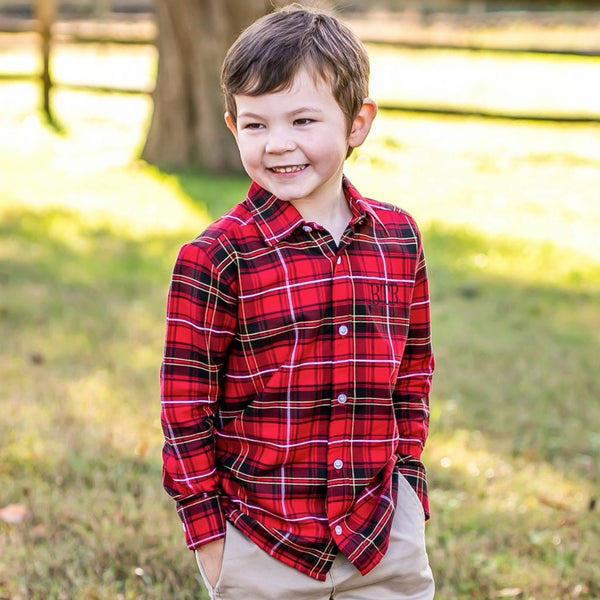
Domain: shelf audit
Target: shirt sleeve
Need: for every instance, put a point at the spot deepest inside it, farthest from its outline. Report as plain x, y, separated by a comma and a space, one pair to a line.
411, 395
201, 321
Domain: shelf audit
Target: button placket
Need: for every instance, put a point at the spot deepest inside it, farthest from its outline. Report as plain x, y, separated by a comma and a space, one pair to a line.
339, 456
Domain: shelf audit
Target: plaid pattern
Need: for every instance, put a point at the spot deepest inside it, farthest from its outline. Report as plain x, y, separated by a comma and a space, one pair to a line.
295, 380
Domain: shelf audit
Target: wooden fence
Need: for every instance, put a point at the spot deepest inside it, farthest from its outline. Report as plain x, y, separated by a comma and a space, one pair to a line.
140, 29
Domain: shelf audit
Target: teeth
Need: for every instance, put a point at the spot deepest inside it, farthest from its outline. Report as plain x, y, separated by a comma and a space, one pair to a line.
293, 169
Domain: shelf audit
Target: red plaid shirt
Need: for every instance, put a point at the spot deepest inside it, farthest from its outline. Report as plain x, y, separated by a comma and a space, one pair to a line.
295, 380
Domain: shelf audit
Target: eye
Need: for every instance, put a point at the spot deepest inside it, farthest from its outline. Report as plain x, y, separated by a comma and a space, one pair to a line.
303, 121
253, 126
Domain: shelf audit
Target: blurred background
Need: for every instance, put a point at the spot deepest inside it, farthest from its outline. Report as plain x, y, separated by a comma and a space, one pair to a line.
113, 153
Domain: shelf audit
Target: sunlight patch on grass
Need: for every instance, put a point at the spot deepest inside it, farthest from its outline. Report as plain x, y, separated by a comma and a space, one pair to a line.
499, 178
519, 83
92, 169
101, 64
519, 259
106, 65
501, 483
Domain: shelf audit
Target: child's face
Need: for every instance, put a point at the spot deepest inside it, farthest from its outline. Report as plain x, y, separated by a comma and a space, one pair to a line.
294, 142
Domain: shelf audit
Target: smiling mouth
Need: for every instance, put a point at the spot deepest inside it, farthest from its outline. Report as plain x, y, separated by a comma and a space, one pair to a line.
289, 169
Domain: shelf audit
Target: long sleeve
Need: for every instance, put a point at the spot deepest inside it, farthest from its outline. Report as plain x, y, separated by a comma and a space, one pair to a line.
201, 321
411, 395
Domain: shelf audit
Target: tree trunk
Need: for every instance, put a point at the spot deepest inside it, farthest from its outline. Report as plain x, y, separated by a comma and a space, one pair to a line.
187, 128
45, 11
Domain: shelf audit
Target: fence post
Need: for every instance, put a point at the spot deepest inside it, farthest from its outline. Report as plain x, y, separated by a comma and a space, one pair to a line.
45, 11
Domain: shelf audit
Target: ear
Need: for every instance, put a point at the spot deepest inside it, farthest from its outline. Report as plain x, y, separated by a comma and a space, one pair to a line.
362, 123
231, 125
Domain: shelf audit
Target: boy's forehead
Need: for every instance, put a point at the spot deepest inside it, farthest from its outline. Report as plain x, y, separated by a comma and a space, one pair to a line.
304, 83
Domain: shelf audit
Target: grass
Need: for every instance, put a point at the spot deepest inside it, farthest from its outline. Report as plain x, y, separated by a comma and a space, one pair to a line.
513, 83
510, 215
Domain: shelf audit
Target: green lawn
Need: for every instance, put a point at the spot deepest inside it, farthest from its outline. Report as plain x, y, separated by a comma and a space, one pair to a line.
511, 220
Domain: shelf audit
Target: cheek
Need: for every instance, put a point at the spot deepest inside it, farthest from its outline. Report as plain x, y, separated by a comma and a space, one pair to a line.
249, 151
333, 139
329, 150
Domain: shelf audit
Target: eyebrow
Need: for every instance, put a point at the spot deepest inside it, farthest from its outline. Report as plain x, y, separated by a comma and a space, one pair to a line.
296, 111
303, 109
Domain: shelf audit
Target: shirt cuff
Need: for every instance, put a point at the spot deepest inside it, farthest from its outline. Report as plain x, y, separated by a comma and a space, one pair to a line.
414, 472
203, 520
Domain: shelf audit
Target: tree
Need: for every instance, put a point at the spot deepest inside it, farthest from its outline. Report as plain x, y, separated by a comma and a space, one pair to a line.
187, 128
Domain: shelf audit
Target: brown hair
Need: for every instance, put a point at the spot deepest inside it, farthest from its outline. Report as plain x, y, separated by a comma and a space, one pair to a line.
268, 54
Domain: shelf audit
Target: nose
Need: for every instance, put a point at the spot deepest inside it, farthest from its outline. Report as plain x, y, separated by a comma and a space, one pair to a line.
279, 141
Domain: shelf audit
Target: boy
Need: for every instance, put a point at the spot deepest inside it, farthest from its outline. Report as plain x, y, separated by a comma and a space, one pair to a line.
298, 360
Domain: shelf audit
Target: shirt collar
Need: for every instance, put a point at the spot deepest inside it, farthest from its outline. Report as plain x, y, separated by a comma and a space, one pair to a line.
359, 206
277, 219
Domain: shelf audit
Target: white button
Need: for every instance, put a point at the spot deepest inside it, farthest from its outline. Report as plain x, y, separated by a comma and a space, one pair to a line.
342, 398
338, 530
307, 228
338, 463
343, 330
339, 260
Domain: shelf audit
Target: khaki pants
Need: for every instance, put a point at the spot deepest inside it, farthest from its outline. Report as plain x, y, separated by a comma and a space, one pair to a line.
249, 573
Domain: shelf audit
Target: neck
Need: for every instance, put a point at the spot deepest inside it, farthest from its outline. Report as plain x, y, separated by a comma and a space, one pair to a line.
333, 216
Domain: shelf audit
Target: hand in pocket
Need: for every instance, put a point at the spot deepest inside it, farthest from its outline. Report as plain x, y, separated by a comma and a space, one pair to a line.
211, 557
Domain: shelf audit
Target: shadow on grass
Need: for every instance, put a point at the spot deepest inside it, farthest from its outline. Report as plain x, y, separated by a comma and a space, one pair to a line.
83, 312
53, 123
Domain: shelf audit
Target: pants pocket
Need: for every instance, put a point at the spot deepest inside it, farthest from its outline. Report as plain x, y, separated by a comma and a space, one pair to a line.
212, 590
408, 497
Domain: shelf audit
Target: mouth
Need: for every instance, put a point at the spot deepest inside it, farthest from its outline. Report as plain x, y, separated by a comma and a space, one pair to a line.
288, 169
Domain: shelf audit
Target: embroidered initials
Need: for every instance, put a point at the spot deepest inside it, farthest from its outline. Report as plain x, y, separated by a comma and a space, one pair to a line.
378, 291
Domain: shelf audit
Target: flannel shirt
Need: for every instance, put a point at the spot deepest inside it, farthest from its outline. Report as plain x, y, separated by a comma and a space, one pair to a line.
295, 380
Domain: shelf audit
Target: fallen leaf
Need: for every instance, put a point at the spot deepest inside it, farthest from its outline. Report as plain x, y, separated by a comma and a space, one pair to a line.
531, 455
558, 504
509, 593
14, 513
142, 449
39, 532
